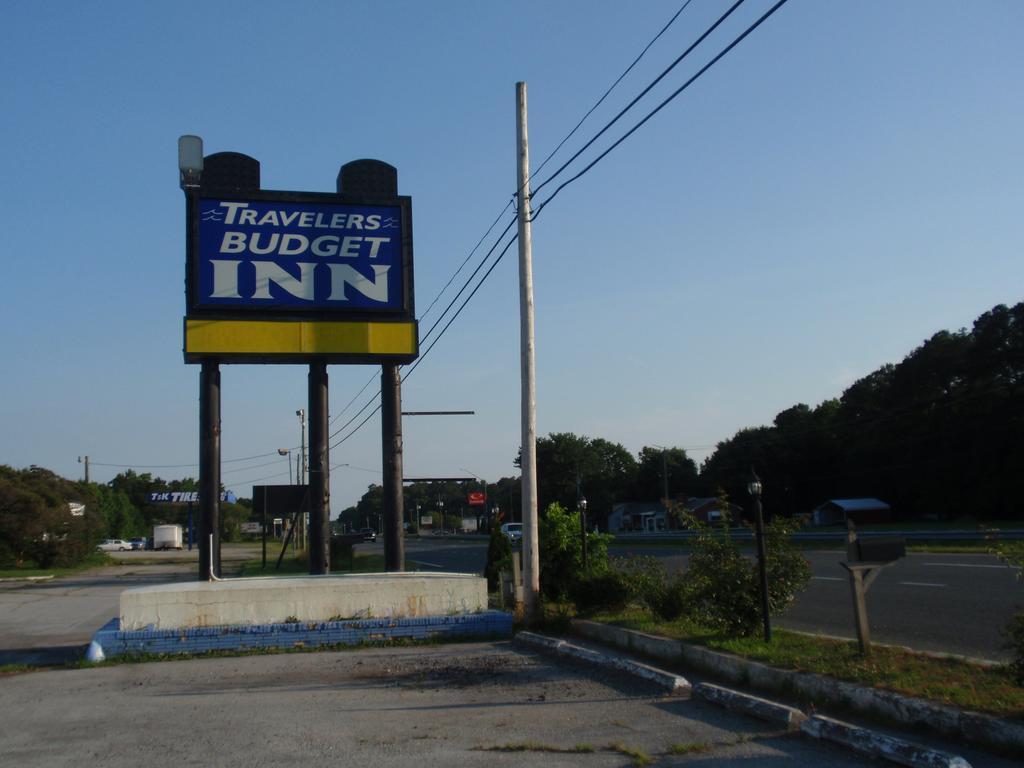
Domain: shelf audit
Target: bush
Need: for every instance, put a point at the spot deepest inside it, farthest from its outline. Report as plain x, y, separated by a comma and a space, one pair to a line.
607, 589
723, 589
499, 556
1014, 633
672, 600
1013, 554
560, 555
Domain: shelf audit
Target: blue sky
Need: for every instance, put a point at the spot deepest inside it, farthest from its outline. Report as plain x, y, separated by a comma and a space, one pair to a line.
843, 184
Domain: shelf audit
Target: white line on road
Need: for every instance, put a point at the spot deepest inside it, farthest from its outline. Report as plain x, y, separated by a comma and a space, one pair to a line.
828, 578
429, 565
920, 584
966, 565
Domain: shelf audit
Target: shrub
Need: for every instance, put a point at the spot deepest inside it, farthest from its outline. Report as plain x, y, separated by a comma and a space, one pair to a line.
1013, 554
723, 590
606, 589
499, 556
1014, 633
560, 555
673, 599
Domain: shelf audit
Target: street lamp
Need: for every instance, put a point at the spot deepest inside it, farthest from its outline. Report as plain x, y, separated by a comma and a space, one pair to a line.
754, 489
287, 452
583, 529
190, 161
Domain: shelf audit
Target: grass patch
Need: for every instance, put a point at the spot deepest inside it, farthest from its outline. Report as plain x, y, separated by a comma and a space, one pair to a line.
93, 560
298, 565
944, 680
638, 757
688, 749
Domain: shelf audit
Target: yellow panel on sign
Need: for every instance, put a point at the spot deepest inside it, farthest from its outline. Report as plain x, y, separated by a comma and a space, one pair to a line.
314, 338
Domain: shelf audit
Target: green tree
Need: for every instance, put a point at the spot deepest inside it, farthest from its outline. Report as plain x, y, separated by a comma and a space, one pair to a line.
36, 523
602, 471
122, 520
652, 466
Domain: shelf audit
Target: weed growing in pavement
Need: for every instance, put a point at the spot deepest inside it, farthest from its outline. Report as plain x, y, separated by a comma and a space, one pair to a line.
638, 757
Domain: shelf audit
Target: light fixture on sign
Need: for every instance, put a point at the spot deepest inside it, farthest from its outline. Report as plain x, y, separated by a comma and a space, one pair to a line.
190, 160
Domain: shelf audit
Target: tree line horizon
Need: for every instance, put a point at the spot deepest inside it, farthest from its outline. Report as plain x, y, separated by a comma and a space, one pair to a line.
938, 436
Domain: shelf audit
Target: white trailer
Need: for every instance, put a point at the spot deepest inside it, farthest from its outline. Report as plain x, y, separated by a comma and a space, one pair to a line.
167, 537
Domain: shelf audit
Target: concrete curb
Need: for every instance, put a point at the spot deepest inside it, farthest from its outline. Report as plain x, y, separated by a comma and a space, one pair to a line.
789, 718
879, 745
27, 578
971, 727
670, 682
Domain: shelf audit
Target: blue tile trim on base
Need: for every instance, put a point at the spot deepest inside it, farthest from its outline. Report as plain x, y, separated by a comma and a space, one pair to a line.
198, 640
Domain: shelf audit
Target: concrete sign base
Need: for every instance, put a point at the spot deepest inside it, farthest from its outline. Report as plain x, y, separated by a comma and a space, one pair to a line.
270, 600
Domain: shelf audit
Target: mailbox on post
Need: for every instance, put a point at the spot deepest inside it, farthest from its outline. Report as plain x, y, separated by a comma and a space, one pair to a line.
865, 560
881, 549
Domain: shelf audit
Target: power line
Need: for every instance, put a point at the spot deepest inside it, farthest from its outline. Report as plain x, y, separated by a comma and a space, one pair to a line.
463, 264
462, 306
469, 280
502, 213
661, 106
610, 89
643, 93
175, 466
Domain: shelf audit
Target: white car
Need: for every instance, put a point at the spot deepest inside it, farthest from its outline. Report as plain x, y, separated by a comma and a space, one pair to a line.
114, 545
512, 531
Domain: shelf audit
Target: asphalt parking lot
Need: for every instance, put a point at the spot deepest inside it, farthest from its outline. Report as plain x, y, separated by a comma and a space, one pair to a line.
482, 704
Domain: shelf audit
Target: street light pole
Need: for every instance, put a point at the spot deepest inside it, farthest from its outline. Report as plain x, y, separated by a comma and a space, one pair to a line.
583, 530
300, 468
754, 488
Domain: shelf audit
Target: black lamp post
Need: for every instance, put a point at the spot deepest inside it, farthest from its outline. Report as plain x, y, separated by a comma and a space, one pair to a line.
754, 489
583, 529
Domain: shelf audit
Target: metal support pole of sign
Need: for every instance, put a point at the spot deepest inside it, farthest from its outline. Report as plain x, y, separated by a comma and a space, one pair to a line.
528, 405
376, 178
391, 418
319, 471
209, 470
191, 527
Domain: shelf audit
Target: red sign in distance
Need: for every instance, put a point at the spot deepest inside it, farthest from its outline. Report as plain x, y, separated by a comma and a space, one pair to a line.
477, 499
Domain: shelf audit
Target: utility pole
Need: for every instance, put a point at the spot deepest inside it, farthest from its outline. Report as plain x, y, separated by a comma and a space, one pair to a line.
528, 459
86, 462
664, 475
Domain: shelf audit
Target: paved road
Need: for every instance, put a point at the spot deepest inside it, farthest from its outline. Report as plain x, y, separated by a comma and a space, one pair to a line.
951, 603
452, 706
50, 621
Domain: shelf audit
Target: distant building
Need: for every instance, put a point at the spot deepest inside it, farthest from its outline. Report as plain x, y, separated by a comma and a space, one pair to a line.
651, 517
861, 511
645, 517
711, 510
